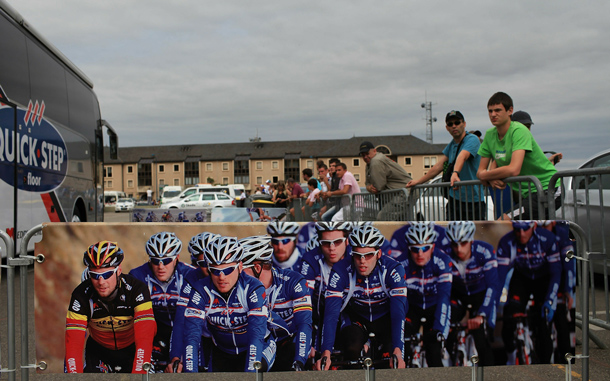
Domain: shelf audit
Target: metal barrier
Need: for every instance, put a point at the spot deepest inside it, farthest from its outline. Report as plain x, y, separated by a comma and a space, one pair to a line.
586, 196
388, 205
339, 204
10, 308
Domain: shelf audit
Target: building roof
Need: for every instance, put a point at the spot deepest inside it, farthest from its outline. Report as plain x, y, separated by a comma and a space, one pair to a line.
399, 145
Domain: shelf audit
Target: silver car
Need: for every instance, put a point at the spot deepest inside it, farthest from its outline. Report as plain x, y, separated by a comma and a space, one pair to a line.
203, 201
124, 205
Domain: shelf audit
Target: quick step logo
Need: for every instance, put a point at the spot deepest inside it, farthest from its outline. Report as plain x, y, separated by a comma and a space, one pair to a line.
42, 154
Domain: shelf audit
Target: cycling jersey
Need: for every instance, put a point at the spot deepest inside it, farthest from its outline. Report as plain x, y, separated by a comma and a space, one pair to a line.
479, 274
115, 325
371, 297
293, 263
288, 297
537, 259
237, 324
399, 247
430, 286
565, 244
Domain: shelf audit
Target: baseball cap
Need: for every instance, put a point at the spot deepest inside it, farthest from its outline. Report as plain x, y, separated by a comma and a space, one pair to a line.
268, 182
453, 114
522, 117
366, 147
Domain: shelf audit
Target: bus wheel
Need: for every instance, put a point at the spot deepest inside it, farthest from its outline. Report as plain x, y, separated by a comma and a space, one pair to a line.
78, 215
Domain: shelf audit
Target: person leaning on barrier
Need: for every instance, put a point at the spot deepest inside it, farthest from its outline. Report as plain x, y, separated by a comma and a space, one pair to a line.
534, 255
288, 300
347, 185
525, 119
475, 286
115, 309
164, 275
516, 153
461, 158
370, 291
428, 276
333, 204
382, 173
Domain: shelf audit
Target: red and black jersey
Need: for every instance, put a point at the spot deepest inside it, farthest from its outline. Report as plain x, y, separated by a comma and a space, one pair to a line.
114, 325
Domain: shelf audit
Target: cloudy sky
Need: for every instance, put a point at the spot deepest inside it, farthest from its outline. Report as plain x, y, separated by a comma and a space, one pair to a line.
199, 71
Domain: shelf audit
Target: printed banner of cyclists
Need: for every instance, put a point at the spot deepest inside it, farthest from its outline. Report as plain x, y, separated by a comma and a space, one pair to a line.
254, 214
511, 300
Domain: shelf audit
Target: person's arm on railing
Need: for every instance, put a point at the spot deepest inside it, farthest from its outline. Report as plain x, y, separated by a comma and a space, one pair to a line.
511, 170
438, 168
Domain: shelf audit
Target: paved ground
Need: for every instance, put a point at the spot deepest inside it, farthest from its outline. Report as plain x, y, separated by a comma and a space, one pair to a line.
599, 368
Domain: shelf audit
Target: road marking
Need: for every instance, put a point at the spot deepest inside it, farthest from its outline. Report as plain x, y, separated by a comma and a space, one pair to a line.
574, 374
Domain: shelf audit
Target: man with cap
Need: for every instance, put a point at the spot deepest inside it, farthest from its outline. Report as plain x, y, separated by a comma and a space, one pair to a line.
461, 161
525, 119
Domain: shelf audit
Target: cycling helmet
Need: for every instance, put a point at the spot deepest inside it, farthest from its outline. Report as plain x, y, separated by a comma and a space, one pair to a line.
198, 243
523, 225
256, 248
323, 226
312, 243
222, 250
461, 231
278, 228
420, 233
103, 254
366, 236
544, 222
164, 244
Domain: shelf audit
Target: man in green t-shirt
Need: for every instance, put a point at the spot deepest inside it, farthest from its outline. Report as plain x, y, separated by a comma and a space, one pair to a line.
516, 153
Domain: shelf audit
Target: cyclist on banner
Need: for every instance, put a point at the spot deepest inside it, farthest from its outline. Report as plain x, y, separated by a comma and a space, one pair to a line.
196, 247
288, 300
565, 314
475, 284
333, 247
371, 292
534, 256
115, 309
286, 254
428, 273
163, 274
232, 306
398, 247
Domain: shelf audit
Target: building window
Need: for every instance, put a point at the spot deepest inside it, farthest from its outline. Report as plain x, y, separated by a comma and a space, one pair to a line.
356, 163
241, 171
357, 176
429, 161
129, 183
275, 165
177, 182
209, 167
176, 168
161, 168
225, 181
107, 171
225, 166
407, 161
275, 179
259, 180
109, 183
259, 165
310, 164
144, 175
191, 173
292, 169
161, 182
129, 169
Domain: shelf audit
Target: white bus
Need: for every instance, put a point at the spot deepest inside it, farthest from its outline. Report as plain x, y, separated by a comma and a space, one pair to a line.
50, 121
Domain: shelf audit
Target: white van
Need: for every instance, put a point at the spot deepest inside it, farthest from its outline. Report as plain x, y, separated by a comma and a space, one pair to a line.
111, 197
233, 190
170, 192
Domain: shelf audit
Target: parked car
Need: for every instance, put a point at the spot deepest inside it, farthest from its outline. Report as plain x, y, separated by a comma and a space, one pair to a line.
124, 205
582, 204
431, 205
203, 200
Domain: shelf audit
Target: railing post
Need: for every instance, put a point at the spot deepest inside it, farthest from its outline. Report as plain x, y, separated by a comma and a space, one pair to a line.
10, 310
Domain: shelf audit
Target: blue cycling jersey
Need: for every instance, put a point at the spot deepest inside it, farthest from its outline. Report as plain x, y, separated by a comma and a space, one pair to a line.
370, 297
288, 298
399, 246
237, 324
538, 258
164, 295
565, 244
430, 286
479, 274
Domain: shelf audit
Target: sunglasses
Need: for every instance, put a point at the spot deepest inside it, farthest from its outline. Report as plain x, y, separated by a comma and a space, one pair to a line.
105, 275
368, 255
456, 123
283, 241
202, 263
419, 249
165, 261
331, 242
226, 271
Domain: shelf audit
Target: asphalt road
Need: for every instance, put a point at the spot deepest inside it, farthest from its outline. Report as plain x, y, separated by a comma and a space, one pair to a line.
599, 368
